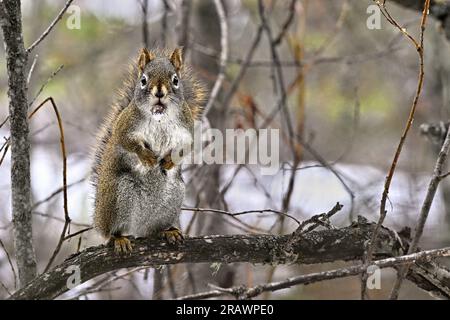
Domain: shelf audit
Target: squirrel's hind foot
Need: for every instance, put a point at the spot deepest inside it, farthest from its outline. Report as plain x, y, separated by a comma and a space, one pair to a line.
173, 235
122, 244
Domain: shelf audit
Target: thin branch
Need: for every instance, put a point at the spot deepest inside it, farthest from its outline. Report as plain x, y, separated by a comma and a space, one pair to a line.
387, 185
242, 292
164, 23
431, 192
30, 73
184, 27
49, 216
144, 25
64, 156
5, 151
5, 288
4, 121
285, 27
46, 83
7, 142
72, 235
241, 213
50, 27
223, 54
99, 286
56, 192
8, 257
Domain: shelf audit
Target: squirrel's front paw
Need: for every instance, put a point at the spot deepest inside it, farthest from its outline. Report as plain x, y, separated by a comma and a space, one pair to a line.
167, 163
173, 235
147, 157
121, 244
149, 161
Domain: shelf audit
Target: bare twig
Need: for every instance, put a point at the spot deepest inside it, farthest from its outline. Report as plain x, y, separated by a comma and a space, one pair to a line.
49, 216
184, 27
241, 213
431, 192
72, 235
5, 288
144, 7
248, 293
164, 22
64, 156
102, 284
4, 121
13, 270
46, 83
244, 66
223, 54
420, 50
316, 221
5, 149
287, 23
50, 27
30, 73
56, 192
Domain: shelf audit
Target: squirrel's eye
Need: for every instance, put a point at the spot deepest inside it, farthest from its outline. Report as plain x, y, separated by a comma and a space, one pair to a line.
144, 81
175, 81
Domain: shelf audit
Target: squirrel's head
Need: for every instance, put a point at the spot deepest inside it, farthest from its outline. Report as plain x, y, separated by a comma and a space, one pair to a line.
159, 89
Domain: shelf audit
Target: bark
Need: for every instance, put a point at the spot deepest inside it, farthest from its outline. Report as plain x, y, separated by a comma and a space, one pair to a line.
16, 58
345, 244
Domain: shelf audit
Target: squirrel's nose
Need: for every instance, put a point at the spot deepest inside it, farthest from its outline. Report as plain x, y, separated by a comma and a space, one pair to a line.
159, 91
159, 94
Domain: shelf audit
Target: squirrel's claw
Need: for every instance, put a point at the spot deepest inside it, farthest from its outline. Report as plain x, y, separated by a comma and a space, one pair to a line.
122, 245
173, 235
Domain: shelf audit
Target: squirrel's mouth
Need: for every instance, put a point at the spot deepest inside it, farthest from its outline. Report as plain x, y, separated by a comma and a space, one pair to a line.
158, 108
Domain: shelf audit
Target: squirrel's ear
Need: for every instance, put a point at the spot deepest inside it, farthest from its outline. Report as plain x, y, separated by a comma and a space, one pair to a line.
177, 58
145, 57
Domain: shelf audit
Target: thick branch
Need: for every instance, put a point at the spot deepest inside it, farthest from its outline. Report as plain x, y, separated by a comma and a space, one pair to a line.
314, 247
16, 61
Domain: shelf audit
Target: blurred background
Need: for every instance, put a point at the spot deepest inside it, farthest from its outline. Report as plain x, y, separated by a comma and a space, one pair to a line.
349, 91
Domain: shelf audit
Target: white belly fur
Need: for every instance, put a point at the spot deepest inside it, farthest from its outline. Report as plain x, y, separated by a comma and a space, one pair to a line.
165, 135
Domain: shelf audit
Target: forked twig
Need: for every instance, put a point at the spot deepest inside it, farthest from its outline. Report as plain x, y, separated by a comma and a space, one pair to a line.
50, 27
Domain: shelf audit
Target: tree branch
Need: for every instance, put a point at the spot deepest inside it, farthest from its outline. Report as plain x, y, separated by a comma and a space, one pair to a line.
16, 60
345, 244
50, 27
220, 8
440, 10
424, 212
243, 292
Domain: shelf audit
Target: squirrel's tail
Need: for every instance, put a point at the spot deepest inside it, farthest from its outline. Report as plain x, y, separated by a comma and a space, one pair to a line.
194, 92
123, 98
